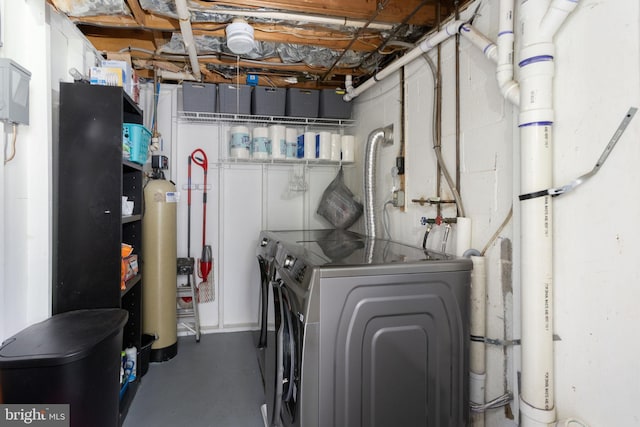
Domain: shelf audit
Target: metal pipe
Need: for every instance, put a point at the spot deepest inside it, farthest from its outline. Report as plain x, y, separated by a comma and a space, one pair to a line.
437, 125
403, 117
457, 181
442, 169
381, 136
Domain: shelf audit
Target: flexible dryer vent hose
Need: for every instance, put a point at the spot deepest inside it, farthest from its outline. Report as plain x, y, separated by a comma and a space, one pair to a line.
379, 136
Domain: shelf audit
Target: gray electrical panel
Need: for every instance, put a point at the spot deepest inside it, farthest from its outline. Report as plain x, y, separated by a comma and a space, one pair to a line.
14, 92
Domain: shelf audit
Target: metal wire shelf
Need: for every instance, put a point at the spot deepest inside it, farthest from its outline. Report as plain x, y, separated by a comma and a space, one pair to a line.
200, 117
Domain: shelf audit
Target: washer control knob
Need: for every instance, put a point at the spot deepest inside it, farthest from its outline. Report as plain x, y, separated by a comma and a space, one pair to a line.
288, 262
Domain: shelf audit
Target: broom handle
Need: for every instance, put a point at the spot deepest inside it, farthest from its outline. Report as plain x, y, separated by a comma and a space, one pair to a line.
189, 209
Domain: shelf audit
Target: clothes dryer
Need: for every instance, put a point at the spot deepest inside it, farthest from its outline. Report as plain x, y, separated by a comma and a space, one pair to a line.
367, 332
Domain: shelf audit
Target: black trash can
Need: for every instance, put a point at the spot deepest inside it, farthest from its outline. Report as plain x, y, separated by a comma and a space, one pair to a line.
145, 353
70, 358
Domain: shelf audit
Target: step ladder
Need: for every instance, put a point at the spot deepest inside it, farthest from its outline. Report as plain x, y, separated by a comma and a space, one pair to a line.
187, 314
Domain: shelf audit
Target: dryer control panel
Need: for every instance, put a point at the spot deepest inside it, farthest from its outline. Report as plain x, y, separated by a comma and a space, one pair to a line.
290, 265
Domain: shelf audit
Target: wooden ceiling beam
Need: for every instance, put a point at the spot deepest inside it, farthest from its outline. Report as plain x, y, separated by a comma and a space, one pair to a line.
394, 11
279, 81
116, 42
160, 38
151, 22
138, 13
272, 67
304, 36
313, 36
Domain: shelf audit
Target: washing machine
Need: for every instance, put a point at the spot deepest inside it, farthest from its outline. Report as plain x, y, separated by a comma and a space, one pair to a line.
367, 332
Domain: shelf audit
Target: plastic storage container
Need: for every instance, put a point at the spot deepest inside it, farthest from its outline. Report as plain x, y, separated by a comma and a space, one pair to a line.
302, 102
332, 106
135, 142
234, 99
70, 358
199, 97
268, 101
145, 353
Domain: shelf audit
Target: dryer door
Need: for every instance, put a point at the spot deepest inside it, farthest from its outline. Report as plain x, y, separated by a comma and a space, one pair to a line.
290, 353
281, 363
261, 334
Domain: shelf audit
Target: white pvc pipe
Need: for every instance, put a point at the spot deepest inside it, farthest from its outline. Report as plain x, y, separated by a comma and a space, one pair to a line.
539, 23
314, 19
504, 72
477, 361
502, 54
480, 41
555, 16
536, 273
463, 235
425, 46
171, 75
187, 36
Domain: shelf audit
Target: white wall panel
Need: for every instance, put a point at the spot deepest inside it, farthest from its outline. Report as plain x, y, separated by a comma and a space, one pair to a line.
596, 228
190, 137
241, 225
283, 199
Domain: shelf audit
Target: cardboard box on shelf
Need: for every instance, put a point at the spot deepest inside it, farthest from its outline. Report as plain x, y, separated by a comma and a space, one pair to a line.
122, 61
130, 265
106, 76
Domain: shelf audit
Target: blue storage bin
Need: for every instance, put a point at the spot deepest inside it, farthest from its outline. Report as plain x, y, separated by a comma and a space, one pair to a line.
135, 142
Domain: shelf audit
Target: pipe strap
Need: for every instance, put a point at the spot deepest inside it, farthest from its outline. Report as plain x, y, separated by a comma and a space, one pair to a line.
557, 191
504, 343
535, 195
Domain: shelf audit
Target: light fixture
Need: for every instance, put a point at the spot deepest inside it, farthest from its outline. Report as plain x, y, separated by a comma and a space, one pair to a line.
240, 37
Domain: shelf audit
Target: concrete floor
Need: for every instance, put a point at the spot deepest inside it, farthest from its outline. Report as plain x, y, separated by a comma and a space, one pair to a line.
213, 383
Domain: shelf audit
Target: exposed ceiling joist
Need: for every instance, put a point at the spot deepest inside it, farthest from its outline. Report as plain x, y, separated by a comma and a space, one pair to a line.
356, 40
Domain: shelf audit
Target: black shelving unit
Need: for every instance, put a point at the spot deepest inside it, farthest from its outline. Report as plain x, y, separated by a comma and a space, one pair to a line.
89, 179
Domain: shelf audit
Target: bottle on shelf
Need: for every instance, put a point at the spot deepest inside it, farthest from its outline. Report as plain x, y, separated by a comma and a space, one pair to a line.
130, 363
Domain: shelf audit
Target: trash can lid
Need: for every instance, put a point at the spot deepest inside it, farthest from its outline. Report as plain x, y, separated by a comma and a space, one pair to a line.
62, 338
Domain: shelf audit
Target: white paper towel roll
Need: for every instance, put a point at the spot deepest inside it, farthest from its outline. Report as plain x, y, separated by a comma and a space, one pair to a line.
463, 235
260, 143
336, 146
240, 142
348, 148
309, 145
240, 153
323, 142
291, 139
278, 141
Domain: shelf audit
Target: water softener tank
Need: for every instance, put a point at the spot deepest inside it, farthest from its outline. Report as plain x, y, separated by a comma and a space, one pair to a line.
159, 255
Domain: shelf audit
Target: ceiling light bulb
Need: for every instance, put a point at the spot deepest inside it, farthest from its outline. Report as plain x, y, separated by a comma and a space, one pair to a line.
240, 37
